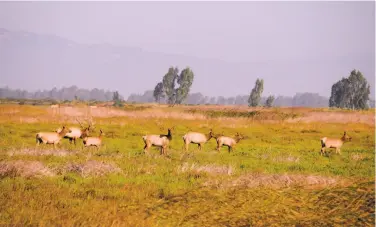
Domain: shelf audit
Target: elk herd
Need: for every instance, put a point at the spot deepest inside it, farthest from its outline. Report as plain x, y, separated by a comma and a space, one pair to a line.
162, 141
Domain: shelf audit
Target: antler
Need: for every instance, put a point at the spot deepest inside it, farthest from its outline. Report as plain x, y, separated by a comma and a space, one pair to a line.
79, 123
90, 123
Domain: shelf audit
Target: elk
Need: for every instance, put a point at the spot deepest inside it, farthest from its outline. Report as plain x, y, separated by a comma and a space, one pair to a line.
55, 108
334, 143
74, 133
161, 141
197, 138
94, 141
50, 137
228, 141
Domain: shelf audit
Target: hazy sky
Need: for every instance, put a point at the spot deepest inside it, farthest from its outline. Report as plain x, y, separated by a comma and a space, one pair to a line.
234, 32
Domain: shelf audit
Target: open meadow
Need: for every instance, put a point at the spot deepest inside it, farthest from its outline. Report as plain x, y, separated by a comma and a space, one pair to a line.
274, 177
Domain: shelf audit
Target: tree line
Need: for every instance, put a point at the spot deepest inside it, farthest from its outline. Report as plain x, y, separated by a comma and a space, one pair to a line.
351, 93
65, 93
197, 98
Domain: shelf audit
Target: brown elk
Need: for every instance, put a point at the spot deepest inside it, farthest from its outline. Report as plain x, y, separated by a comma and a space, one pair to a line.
94, 141
334, 143
74, 132
50, 137
228, 141
161, 141
196, 138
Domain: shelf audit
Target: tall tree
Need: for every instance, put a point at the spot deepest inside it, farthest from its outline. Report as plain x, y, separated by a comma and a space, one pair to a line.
168, 82
158, 92
269, 101
255, 96
116, 99
352, 92
185, 80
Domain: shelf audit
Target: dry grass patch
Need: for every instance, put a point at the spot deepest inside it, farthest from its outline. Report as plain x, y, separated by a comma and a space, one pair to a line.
210, 169
281, 158
93, 168
357, 157
22, 168
39, 152
336, 117
278, 181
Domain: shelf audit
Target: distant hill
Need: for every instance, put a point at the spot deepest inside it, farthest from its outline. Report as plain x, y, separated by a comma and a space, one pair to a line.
37, 61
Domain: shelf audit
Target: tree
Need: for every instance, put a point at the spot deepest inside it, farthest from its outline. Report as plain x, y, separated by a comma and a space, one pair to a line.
116, 99
175, 95
158, 92
169, 84
212, 100
255, 96
352, 92
221, 100
185, 80
269, 101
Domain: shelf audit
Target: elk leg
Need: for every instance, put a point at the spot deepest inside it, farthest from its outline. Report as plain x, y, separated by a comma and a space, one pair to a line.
339, 151
323, 151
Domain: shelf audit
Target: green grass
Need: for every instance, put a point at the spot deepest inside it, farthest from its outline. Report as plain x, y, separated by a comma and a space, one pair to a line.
152, 191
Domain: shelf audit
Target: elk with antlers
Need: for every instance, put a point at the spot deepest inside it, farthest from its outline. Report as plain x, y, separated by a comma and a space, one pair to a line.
196, 138
334, 143
228, 141
50, 137
161, 141
74, 133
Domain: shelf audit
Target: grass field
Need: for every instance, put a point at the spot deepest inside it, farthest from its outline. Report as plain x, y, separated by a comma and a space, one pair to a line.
276, 177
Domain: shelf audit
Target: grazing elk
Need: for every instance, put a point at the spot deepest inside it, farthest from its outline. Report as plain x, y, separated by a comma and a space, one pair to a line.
161, 141
228, 141
74, 133
50, 137
334, 143
196, 138
94, 141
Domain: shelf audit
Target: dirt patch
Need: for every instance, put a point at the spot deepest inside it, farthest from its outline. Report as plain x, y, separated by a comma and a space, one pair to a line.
277, 181
210, 169
22, 168
92, 168
38, 152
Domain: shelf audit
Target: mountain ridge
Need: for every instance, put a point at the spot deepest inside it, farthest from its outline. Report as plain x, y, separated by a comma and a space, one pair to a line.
134, 70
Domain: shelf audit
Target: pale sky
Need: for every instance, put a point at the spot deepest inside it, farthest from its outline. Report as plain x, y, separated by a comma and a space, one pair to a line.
299, 35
